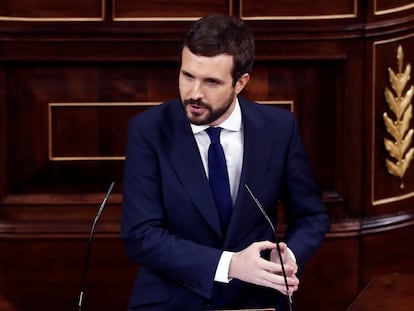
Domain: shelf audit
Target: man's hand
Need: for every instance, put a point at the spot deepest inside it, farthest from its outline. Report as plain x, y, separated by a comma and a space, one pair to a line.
248, 266
291, 268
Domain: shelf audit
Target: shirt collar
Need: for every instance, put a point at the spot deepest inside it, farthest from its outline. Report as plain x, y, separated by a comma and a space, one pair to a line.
232, 123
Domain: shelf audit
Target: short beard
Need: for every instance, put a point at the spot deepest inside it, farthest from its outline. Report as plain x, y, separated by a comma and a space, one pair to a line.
212, 115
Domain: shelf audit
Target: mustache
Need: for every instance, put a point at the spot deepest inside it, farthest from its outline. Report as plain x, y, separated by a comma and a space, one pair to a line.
197, 102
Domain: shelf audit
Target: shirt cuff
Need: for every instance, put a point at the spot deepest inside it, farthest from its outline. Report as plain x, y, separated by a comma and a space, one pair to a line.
222, 271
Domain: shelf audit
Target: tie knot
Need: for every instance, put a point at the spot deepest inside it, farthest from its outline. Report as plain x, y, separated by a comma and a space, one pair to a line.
214, 133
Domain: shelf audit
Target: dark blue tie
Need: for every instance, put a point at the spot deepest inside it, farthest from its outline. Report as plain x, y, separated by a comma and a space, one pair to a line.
218, 177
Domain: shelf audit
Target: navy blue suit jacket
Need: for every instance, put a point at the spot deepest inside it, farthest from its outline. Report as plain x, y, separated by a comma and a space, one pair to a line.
170, 226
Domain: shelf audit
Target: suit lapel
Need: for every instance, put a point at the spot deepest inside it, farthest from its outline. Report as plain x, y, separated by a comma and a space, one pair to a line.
256, 157
186, 161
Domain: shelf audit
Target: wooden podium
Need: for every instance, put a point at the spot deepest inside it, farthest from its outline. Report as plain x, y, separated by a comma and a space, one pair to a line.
389, 292
5, 305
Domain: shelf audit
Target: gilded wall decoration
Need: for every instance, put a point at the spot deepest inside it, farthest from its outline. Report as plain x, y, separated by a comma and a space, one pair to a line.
397, 123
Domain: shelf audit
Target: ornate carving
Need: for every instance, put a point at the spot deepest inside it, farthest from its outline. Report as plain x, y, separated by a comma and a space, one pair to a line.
399, 102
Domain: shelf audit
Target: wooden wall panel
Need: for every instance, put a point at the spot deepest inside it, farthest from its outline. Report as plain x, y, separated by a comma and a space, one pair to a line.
389, 189
57, 119
383, 11
45, 9
3, 131
89, 131
388, 242
297, 9
391, 6
164, 9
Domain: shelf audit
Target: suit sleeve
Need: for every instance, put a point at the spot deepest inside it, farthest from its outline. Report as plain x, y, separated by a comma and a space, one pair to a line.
148, 238
306, 215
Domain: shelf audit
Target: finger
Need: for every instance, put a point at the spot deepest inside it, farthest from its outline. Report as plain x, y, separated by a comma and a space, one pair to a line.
277, 282
278, 278
280, 253
283, 290
265, 245
276, 267
282, 246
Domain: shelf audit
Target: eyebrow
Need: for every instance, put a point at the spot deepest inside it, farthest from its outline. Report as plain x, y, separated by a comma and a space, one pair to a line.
218, 80
186, 72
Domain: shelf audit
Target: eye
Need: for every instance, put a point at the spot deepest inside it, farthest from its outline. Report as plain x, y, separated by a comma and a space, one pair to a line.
187, 75
213, 82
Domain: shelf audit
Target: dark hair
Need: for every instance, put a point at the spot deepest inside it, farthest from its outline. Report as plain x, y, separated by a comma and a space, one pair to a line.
222, 34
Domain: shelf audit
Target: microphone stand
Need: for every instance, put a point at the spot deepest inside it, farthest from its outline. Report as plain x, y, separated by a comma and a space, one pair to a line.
256, 201
88, 252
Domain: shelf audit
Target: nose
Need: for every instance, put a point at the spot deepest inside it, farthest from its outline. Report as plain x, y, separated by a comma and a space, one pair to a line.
196, 92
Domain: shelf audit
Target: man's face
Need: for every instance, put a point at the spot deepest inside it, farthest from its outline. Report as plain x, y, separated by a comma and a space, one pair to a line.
206, 87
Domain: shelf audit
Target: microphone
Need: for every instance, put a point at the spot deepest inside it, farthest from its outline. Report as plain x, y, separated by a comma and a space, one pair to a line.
256, 201
85, 269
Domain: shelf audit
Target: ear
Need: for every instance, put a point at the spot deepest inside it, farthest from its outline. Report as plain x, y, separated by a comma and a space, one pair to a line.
241, 83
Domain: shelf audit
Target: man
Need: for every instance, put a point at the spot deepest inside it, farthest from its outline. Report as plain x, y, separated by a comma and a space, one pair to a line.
189, 258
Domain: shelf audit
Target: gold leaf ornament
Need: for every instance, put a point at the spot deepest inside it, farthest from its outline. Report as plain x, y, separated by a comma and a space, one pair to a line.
397, 124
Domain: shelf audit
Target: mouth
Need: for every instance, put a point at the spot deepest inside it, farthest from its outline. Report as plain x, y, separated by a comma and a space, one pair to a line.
196, 108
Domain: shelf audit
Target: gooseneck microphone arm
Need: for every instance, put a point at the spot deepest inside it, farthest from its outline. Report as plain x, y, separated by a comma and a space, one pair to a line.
256, 201
85, 268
